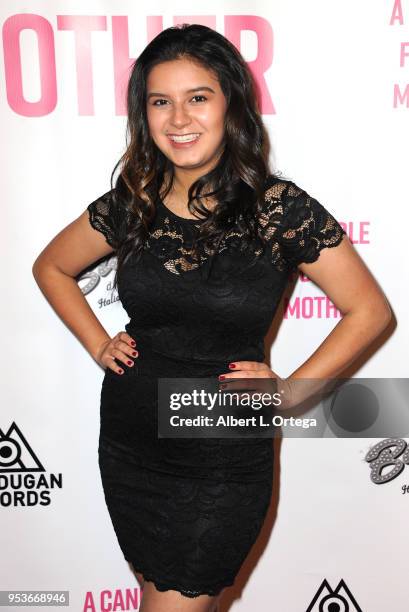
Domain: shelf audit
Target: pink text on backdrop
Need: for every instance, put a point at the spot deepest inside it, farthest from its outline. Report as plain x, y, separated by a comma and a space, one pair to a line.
400, 94
310, 307
358, 233
82, 27
119, 599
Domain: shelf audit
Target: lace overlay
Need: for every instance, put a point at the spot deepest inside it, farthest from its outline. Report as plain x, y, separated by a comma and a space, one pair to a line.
186, 512
170, 244
108, 217
192, 534
296, 225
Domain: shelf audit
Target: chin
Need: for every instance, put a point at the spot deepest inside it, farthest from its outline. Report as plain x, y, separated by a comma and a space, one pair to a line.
189, 165
185, 162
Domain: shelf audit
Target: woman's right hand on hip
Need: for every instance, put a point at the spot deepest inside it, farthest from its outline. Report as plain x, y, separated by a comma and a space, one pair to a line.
122, 348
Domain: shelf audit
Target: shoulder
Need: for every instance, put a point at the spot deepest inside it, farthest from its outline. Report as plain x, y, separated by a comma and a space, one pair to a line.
274, 208
298, 221
284, 191
277, 191
274, 186
109, 203
108, 214
291, 204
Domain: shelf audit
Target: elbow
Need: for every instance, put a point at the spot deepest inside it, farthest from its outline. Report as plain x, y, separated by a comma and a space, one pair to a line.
36, 268
381, 315
386, 315
39, 266
382, 310
373, 317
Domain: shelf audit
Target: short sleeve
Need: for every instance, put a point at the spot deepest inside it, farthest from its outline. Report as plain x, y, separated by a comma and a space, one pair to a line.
108, 216
307, 227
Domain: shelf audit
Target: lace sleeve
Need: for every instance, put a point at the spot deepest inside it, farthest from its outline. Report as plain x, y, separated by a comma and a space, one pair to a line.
307, 227
107, 215
296, 225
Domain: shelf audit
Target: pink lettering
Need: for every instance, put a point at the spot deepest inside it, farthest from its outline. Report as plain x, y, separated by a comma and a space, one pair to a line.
83, 26
122, 61
309, 307
233, 26
397, 13
12, 28
357, 232
400, 98
404, 53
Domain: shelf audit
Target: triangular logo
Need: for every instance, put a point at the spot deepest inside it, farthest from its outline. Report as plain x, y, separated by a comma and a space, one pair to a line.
16, 455
338, 600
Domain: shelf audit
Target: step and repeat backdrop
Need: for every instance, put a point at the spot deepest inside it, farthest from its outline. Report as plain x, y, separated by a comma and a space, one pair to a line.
334, 88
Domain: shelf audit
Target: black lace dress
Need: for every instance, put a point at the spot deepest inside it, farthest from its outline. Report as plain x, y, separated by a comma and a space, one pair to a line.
187, 511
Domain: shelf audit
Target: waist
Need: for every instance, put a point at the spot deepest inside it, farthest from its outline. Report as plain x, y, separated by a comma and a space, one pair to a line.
197, 350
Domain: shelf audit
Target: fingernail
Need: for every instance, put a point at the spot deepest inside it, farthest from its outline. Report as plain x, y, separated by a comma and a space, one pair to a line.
133, 342
232, 365
129, 363
134, 353
121, 371
221, 377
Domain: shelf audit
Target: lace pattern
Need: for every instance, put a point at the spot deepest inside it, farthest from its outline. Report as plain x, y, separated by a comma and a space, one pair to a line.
188, 511
203, 528
108, 217
296, 226
162, 585
172, 243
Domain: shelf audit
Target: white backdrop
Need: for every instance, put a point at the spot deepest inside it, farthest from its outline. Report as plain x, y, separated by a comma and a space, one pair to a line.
336, 106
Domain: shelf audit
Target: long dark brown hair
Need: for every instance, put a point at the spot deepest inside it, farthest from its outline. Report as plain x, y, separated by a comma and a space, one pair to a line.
237, 181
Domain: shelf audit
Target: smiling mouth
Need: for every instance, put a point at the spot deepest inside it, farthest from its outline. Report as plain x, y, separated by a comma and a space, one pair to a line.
184, 138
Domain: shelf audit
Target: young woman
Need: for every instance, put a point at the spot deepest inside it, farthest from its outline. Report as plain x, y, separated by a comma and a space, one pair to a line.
205, 238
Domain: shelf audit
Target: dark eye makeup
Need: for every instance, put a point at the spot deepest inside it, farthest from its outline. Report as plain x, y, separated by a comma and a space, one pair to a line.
163, 100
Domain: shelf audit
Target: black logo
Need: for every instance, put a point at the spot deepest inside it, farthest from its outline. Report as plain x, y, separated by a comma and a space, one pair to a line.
23, 478
16, 455
337, 600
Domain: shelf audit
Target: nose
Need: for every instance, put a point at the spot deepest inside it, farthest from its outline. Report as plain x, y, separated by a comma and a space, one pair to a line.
180, 116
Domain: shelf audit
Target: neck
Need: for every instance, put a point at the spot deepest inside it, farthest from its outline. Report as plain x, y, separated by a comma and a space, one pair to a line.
182, 181
178, 195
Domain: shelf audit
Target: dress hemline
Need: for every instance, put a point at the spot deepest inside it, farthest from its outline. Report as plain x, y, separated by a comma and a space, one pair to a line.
163, 585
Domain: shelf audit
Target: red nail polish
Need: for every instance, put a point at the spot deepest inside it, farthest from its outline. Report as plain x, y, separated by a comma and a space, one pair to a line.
133, 343
221, 377
121, 371
129, 363
232, 365
134, 353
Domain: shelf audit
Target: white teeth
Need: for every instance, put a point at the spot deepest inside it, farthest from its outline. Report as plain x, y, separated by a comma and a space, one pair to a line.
187, 138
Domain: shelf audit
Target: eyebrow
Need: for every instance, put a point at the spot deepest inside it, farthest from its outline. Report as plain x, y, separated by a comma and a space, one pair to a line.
202, 88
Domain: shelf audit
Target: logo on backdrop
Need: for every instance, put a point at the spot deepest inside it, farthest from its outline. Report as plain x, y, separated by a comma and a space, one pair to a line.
23, 478
91, 278
339, 599
392, 453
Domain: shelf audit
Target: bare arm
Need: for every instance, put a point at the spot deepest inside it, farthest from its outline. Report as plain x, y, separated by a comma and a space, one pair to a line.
73, 249
345, 279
